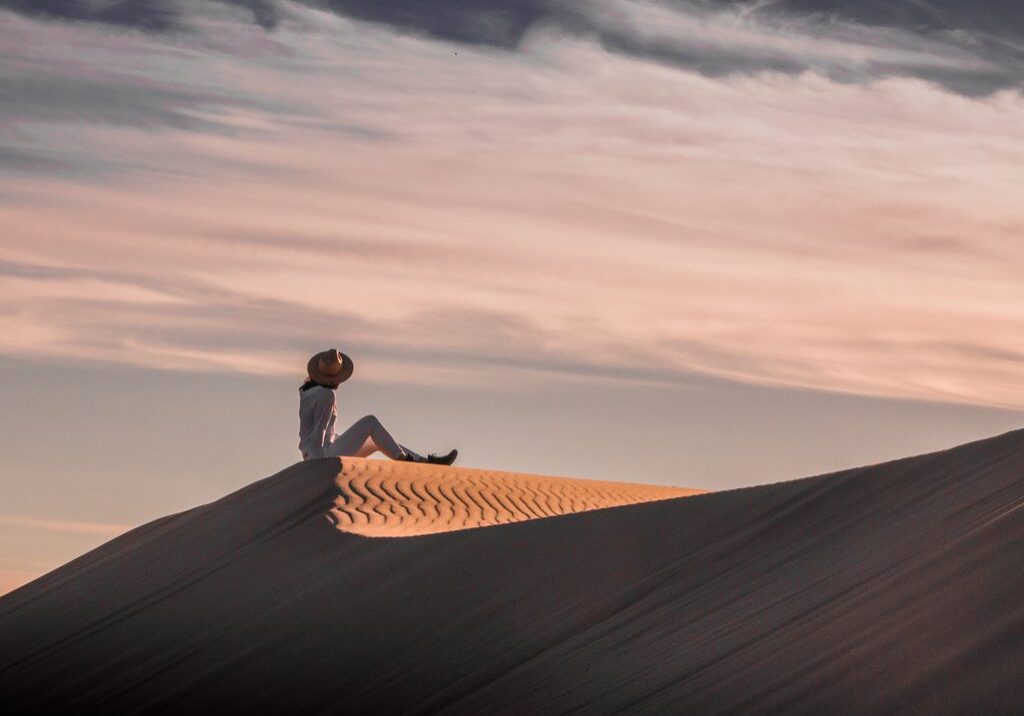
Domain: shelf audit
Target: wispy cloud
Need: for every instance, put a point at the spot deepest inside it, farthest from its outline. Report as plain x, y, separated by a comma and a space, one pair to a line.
558, 210
974, 49
87, 528
153, 15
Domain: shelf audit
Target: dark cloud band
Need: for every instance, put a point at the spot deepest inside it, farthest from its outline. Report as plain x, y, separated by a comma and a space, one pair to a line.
996, 17
155, 15
981, 37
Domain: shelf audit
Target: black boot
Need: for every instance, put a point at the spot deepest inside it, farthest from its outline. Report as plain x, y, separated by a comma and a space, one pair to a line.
443, 459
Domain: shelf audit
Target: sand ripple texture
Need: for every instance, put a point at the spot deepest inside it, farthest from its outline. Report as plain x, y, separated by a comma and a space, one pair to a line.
379, 498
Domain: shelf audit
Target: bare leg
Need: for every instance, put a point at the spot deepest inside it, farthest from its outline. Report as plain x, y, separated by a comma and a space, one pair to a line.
365, 437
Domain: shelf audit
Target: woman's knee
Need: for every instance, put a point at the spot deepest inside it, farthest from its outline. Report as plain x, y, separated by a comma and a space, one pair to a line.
369, 420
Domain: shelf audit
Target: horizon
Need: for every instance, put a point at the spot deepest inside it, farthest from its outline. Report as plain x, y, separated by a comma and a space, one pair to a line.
732, 244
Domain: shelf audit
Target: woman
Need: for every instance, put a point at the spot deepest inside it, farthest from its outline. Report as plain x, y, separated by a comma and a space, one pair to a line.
318, 410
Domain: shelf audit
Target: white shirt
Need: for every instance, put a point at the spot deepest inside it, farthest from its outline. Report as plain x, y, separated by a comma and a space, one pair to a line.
317, 411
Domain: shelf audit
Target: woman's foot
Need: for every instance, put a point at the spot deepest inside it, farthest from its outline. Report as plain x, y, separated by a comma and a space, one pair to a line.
432, 459
443, 459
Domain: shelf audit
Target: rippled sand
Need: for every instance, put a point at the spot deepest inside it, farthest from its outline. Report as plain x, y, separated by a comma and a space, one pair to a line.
379, 498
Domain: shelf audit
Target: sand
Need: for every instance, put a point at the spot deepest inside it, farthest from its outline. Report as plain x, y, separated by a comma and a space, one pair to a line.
379, 498
894, 588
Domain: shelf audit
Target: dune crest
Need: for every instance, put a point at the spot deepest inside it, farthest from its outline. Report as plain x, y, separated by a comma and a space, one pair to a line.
887, 589
383, 498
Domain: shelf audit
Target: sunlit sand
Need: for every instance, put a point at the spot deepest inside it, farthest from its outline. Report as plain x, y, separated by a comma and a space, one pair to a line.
382, 498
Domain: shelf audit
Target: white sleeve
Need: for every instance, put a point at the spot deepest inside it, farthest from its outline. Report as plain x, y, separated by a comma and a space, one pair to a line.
322, 412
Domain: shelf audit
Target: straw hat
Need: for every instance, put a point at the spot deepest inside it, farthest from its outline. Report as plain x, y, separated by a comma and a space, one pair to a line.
330, 367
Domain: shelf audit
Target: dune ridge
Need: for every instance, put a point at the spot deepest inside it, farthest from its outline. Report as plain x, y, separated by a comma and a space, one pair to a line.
379, 498
887, 589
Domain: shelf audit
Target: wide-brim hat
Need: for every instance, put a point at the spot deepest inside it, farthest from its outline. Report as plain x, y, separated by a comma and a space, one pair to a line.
330, 367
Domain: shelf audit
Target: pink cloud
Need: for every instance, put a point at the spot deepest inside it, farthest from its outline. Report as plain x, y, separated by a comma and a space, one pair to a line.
562, 204
69, 526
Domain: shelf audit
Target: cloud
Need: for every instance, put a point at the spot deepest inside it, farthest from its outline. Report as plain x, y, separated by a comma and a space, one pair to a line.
63, 74
152, 15
719, 39
996, 17
56, 76
973, 49
49, 525
18, 160
158, 321
114, 100
556, 211
480, 22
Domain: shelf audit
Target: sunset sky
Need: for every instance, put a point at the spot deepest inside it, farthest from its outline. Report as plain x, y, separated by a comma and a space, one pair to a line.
747, 241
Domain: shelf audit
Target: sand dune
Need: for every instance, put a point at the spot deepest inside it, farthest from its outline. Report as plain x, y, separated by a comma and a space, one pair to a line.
889, 589
379, 498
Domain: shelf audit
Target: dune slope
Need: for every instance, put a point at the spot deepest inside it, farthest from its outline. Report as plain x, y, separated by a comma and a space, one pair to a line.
893, 588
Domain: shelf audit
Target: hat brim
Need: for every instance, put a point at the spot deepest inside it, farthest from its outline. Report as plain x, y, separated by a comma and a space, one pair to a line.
317, 375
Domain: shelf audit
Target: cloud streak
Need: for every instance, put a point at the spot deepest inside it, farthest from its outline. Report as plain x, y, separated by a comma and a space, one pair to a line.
152, 15
556, 211
973, 49
98, 529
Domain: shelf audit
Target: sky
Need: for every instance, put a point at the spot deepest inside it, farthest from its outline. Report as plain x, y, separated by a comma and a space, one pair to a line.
703, 243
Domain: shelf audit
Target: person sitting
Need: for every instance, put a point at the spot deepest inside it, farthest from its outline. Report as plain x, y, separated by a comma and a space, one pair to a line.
318, 409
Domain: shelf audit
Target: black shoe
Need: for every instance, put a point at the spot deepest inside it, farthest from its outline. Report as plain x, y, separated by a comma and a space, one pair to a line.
443, 459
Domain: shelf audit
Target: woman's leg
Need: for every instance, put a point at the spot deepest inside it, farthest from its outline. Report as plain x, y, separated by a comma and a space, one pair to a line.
365, 437
369, 447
